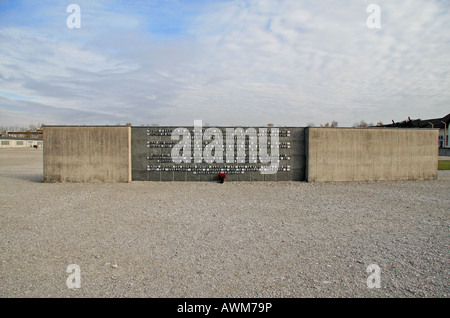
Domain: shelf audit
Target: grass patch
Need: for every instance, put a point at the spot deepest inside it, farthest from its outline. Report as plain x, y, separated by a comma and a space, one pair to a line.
444, 165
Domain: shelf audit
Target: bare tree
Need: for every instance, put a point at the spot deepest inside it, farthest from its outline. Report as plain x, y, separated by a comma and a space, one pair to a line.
332, 125
361, 124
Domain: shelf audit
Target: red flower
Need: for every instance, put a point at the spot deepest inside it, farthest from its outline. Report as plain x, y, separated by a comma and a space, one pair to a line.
222, 175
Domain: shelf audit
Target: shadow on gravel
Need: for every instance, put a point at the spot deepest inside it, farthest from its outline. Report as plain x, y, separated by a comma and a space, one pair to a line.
35, 178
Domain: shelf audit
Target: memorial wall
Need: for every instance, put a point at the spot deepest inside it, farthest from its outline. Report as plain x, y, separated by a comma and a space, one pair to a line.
197, 153
201, 153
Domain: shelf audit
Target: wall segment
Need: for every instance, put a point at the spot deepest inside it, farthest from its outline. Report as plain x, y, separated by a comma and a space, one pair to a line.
370, 154
87, 154
124, 154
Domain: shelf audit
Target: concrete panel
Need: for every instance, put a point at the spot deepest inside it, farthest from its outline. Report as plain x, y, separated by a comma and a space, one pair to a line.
180, 176
87, 154
232, 177
270, 177
354, 154
283, 176
150, 152
257, 176
298, 175
140, 175
139, 154
244, 177
152, 176
166, 176
206, 177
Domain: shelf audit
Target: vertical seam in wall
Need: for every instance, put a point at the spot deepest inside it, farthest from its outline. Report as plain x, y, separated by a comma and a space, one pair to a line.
306, 145
129, 155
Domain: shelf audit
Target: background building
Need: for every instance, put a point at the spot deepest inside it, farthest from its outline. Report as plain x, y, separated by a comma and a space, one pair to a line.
441, 123
17, 142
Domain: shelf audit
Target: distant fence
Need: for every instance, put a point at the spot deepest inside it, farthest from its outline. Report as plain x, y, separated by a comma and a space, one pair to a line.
444, 151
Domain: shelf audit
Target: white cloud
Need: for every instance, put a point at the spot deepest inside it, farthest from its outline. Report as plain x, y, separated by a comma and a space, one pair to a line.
324, 57
234, 63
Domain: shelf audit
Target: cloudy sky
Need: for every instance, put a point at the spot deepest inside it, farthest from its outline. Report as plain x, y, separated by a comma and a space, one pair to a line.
226, 62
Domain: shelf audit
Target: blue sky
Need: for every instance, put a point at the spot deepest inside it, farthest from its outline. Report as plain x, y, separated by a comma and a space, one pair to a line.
233, 62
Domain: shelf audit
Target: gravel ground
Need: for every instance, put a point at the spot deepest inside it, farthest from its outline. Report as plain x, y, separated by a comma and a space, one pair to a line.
288, 239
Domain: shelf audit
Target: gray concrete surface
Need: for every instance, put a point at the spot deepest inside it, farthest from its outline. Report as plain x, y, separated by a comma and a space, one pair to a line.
87, 154
352, 154
140, 153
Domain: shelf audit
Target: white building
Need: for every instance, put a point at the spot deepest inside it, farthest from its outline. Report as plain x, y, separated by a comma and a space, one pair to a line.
14, 142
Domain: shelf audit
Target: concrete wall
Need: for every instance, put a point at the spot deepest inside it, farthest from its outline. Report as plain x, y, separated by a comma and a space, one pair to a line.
87, 154
355, 154
141, 153
123, 154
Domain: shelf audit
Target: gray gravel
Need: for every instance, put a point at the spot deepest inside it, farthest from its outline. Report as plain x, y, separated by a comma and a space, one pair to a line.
288, 239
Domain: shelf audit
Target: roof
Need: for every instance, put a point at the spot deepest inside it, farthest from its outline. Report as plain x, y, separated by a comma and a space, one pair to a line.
19, 138
422, 123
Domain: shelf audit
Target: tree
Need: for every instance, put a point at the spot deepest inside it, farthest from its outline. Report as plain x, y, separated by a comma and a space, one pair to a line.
332, 125
361, 124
